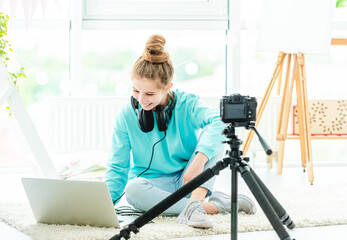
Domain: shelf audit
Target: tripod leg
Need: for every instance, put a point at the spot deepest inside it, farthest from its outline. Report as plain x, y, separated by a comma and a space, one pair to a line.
234, 207
281, 213
263, 202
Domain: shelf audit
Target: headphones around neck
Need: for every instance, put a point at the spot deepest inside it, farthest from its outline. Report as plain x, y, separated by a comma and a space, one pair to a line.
163, 115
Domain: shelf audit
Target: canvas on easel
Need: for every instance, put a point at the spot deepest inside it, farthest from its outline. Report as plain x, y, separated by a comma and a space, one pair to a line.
293, 28
8, 92
296, 26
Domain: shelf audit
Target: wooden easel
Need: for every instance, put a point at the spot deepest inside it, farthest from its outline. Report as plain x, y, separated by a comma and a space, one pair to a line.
299, 77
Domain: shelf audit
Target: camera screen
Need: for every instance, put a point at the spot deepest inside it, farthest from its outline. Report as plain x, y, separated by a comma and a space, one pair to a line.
235, 111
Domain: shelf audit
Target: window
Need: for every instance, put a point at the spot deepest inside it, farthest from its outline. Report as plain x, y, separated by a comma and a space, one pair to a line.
41, 46
44, 54
198, 58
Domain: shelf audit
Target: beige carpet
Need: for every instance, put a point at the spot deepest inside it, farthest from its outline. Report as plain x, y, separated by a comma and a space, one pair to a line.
308, 206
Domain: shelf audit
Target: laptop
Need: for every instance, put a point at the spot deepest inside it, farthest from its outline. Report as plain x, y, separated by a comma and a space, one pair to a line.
70, 202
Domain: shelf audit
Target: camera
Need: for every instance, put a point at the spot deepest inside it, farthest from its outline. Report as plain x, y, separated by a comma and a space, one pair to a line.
238, 109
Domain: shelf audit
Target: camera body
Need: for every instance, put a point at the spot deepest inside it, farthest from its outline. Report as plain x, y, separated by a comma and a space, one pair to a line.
238, 109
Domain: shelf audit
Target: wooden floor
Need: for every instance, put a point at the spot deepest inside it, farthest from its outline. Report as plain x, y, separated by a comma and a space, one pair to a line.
11, 190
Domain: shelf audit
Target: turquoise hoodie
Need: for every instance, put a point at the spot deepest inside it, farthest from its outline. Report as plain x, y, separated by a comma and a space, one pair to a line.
171, 155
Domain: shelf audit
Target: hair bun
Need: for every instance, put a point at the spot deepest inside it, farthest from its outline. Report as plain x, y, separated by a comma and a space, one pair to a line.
154, 51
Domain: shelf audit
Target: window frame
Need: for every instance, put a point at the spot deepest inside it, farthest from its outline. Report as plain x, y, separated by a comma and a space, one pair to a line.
149, 9
121, 14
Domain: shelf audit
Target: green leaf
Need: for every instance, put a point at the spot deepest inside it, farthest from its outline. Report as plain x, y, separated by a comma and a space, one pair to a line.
8, 107
5, 46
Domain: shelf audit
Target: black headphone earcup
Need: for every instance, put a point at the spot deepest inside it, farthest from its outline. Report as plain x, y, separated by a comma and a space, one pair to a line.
162, 118
146, 120
134, 103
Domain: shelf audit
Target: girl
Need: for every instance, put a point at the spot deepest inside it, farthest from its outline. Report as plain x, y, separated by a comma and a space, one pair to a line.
157, 146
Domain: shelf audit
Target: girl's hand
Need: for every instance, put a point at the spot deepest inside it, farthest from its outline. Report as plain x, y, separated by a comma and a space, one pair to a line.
195, 168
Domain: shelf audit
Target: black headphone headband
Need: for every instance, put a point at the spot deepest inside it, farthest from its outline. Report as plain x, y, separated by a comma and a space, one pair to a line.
163, 114
172, 103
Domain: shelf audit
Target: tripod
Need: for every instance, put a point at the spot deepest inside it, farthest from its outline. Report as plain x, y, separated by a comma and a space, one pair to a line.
273, 210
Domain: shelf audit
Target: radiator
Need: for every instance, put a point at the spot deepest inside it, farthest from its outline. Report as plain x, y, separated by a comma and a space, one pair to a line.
82, 123
87, 123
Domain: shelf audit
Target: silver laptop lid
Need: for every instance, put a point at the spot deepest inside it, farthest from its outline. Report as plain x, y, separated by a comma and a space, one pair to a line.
70, 202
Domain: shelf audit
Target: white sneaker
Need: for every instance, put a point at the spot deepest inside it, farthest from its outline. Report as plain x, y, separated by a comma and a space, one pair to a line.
246, 204
223, 203
194, 215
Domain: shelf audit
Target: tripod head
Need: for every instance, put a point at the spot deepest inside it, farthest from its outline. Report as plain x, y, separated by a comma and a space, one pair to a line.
235, 143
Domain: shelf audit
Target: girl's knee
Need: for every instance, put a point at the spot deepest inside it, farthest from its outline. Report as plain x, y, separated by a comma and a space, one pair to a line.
135, 188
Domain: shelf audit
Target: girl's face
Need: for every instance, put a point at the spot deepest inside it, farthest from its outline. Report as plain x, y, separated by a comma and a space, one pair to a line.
150, 93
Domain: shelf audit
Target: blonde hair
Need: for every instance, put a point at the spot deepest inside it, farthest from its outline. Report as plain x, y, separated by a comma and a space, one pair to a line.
155, 61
